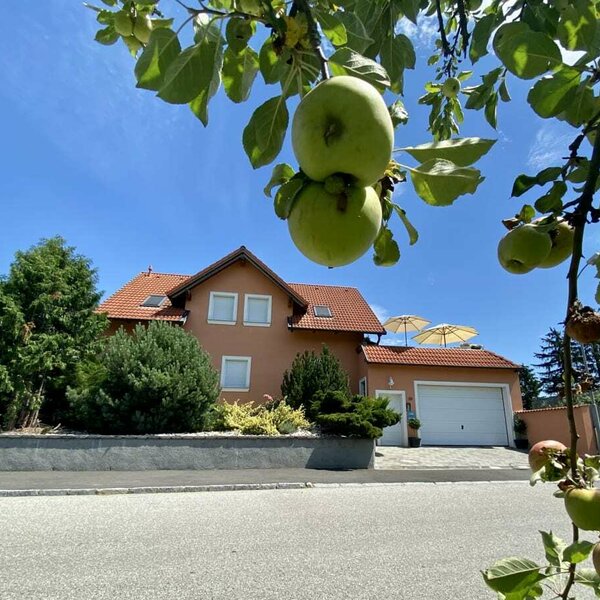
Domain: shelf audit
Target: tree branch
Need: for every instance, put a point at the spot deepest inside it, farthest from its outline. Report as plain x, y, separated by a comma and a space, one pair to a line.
315, 36
445, 46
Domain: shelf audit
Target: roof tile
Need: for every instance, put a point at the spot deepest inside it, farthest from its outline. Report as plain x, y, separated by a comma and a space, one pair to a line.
349, 310
125, 303
435, 357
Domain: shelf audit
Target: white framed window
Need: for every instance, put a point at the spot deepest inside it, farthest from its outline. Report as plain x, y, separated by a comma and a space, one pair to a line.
222, 308
362, 386
257, 310
235, 373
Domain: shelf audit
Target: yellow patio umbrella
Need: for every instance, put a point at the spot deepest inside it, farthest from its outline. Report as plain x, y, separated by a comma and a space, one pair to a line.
444, 333
405, 323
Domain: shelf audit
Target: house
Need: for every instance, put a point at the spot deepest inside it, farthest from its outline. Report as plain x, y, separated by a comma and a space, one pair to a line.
253, 324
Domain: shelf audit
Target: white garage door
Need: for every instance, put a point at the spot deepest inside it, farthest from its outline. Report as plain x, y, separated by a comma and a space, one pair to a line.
462, 415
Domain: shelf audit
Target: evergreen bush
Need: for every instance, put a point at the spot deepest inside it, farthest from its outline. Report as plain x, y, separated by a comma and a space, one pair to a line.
311, 373
352, 416
155, 380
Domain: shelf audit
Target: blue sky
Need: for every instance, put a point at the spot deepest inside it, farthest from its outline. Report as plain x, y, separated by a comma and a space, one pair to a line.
131, 182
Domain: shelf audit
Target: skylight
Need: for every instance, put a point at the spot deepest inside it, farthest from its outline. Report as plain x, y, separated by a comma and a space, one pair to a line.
322, 311
153, 301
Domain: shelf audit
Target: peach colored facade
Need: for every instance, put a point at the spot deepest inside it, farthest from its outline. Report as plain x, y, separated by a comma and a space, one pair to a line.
552, 424
272, 348
405, 377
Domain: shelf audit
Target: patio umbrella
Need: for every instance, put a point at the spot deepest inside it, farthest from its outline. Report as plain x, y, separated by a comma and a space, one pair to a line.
445, 334
405, 323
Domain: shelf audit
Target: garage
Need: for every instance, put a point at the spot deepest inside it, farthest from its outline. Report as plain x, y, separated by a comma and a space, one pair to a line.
462, 415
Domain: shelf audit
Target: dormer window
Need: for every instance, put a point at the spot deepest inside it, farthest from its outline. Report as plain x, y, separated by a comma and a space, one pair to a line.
153, 301
323, 311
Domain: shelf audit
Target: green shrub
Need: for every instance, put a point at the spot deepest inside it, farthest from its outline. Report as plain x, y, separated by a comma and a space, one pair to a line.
156, 380
311, 373
414, 423
353, 416
259, 420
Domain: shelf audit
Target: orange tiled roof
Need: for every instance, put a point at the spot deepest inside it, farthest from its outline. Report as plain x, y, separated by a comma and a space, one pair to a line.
125, 303
349, 310
242, 253
435, 357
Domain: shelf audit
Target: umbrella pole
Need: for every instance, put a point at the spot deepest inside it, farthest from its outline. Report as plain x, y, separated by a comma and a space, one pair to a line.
405, 338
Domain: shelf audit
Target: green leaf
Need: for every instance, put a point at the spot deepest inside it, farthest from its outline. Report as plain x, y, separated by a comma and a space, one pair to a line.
387, 252
461, 151
199, 105
268, 60
398, 113
554, 548
552, 94
503, 91
238, 33
206, 29
397, 54
552, 201
582, 106
523, 183
588, 577
333, 28
107, 36
410, 8
526, 213
440, 182
190, 73
281, 173
286, 195
239, 72
511, 575
413, 234
481, 36
264, 134
162, 49
577, 26
347, 62
524, 52
490, 110
578, 551
358, 38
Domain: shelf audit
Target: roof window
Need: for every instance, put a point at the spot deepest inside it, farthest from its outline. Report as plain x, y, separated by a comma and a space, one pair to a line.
321, 310
153, 301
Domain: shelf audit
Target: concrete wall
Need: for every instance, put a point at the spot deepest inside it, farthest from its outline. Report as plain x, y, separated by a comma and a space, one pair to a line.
552, 424
155, 452
272, 348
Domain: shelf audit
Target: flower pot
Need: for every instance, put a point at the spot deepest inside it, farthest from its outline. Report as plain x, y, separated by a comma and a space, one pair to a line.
414, 442
522, 443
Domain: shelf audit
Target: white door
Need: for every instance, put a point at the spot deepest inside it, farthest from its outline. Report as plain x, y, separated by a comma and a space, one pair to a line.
395, 435
455, 415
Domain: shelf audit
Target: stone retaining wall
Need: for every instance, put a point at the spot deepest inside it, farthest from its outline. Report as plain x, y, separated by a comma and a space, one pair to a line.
155, 452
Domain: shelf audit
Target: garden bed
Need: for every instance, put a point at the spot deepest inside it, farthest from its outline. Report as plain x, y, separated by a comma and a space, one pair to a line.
75, 452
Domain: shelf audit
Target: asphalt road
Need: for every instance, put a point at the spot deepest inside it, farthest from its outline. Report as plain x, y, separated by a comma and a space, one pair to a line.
416, 541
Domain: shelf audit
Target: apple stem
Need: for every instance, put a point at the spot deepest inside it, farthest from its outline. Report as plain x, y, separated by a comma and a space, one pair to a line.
342, 202
315, 36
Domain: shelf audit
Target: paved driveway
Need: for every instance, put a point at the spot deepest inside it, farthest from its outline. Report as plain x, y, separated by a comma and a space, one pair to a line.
449, 457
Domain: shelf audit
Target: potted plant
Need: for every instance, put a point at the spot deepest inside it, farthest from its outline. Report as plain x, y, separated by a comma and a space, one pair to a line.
520, 427
414, 441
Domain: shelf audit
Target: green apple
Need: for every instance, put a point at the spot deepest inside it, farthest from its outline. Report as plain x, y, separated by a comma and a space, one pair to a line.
523, 248
334, 229
343, 126
583, 506
123, 24
562, 245
451, 87
142, 28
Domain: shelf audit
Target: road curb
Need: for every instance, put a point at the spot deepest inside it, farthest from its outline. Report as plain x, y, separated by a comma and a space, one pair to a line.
169, 489
175, 489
